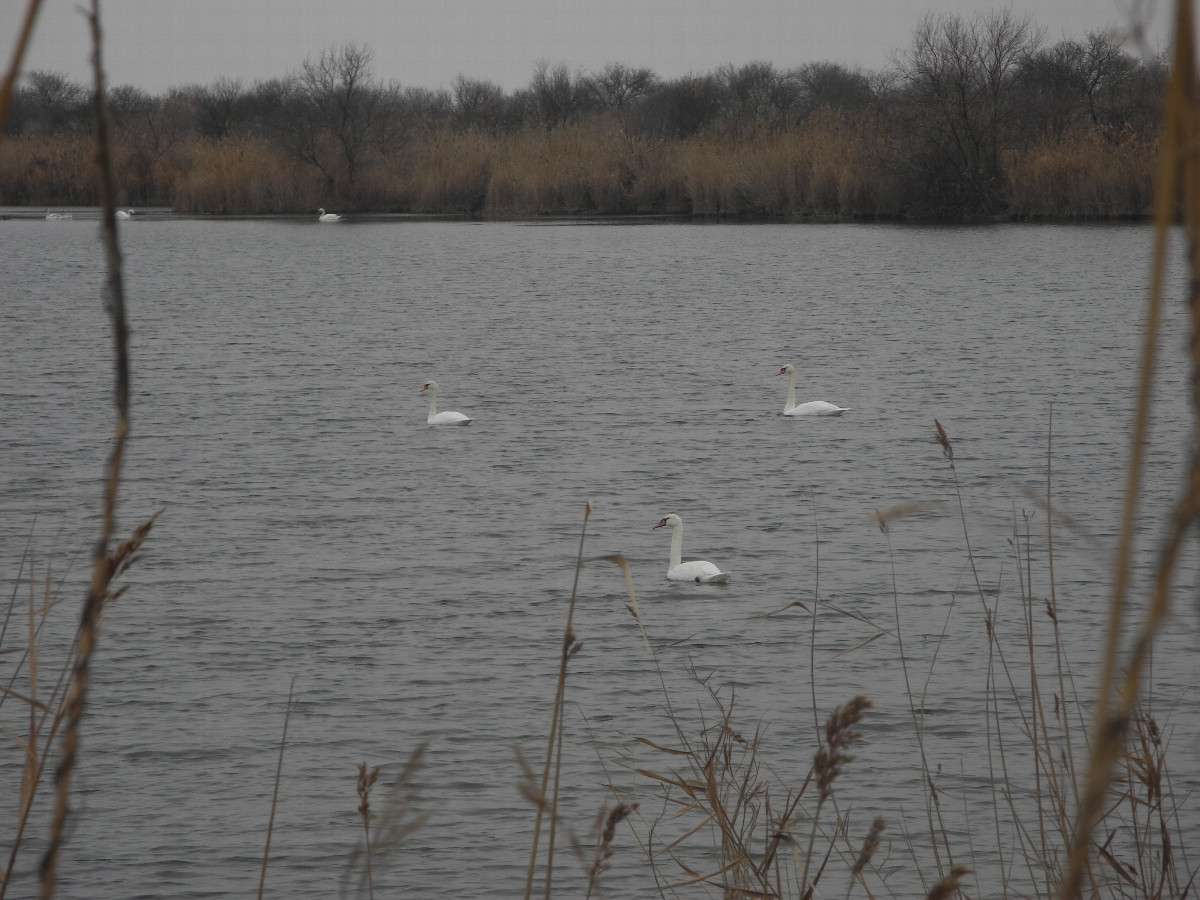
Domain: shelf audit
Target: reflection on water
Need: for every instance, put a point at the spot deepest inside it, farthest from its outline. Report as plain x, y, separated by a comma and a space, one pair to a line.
414, 580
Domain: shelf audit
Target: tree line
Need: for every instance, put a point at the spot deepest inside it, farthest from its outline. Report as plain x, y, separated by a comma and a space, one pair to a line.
976, 117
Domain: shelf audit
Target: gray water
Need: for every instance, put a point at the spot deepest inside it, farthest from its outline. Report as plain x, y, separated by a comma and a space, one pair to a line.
414, 581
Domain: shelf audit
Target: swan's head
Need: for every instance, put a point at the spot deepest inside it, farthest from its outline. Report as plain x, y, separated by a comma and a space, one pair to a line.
786, 370
429, 386
671, 521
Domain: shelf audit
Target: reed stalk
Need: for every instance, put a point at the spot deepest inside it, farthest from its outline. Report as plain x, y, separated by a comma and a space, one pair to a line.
1179, 176
384, 831
102, 568
287, 715
570, 646
24, 36
366, 780
45, 715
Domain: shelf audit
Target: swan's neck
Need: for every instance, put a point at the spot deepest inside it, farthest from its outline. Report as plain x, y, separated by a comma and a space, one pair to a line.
432, 403
791, 400
676, 546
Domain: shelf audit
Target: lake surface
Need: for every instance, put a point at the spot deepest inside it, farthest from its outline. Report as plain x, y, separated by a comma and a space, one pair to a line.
414, 581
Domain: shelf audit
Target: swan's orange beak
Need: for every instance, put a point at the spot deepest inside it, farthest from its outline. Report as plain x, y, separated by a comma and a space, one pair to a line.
661, 524
780, 372
424, 387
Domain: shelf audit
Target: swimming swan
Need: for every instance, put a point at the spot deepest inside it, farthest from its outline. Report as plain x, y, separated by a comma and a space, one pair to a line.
446, 418
697, 570
813, 407
323, 216
124, 213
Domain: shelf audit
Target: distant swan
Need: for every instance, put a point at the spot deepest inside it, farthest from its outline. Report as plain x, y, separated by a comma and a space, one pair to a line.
57, 215
323, 216
697, 570
124, 213
446, 418
812, 407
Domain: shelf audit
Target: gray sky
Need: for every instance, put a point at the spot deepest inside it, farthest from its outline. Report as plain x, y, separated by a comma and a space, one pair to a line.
157, 44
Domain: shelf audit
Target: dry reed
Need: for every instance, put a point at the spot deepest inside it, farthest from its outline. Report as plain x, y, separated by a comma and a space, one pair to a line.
394, 823
605, 835
103, 569
287, 717
1084, 177
544, 797
715, 786
829, 166
24, 36
1117, 695
366, 780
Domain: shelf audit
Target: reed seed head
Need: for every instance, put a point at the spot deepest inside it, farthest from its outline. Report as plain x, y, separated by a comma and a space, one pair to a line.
948, 885
870, 845
839, 735
947, 447
366, 780
604, 845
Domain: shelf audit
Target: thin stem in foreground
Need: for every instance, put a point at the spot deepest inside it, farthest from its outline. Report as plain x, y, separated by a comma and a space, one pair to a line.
262, 876
102, 571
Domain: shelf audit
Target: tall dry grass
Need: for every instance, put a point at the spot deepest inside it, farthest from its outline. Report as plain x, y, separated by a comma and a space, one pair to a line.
1092, 798
830, 166
40, 171
243, 176
1086, 177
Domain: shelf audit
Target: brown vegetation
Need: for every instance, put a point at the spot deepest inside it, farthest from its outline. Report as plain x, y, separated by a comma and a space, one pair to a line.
715, 791
977, 119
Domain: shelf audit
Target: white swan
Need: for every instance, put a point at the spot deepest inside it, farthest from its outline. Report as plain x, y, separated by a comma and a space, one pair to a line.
124, 213
445, 418
57, 215
812, 407
697, 570
323, 216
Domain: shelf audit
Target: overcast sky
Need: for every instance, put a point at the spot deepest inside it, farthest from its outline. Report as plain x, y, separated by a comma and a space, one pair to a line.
158, 44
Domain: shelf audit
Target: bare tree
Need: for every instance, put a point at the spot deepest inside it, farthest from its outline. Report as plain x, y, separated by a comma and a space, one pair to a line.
617, 86
55, 103
337, 116
758, 95
960, 74
477, 102
1119, 88
681, 108
831, 85
218, 106
1051, 86
560, 97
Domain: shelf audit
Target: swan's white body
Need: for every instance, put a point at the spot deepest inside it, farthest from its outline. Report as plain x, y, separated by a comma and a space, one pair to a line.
812, 407
55, 216
444, 418
323, 216
698, 570
124, 213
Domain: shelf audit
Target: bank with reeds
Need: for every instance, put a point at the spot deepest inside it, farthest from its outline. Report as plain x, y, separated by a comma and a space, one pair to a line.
1065, 131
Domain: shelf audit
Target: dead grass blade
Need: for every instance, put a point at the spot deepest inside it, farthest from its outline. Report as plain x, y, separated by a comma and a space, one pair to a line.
792, 605
287, 715
1179, 172
623, 564
24, 36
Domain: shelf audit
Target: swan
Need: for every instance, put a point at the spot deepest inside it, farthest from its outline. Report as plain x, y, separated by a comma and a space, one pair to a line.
323, 216
445, 418
124, 213
697, 570
812, 407
57, 215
